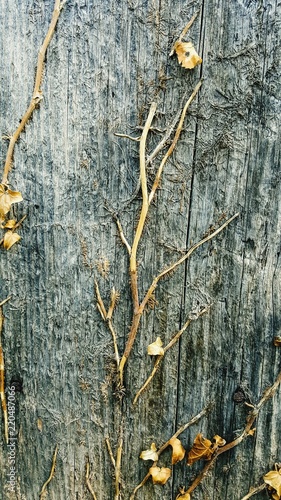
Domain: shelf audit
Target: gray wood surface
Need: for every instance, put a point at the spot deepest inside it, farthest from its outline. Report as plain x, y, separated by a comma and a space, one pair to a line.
104, 66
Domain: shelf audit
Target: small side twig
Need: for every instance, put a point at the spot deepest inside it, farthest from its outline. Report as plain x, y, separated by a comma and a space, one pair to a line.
43, 492
185, 29
254, 491
88, 483
193, 421
109, 449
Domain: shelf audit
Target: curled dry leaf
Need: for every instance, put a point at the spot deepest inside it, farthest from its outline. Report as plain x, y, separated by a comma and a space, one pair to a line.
156, 349
150, 454
178, 450
187, 55
273, 479
10, 239
183, 495
277, 341
7, 198
203, 448
160, 475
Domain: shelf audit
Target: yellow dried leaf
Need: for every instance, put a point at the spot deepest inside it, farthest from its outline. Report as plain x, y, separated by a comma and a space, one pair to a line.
10, 224
10, 239
273, 479
187, 55
178, 450
218, 441
277, 341
160, 475
156, 349
7, 198
183, 495
150, 454
202, 448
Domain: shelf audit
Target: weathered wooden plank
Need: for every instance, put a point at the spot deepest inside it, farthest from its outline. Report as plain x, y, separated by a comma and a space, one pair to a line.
102, 71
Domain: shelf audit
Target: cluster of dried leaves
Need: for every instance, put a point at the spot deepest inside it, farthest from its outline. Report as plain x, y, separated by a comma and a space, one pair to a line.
273, 480
202, 449
7, 198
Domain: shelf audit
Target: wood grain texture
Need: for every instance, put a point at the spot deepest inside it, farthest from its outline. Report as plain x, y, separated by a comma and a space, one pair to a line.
103, 69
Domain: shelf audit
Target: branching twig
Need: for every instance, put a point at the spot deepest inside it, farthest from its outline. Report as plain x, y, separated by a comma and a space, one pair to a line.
106, 316
88, 483
159, 358
269, 393
110, 452
37, 92
193, 421
43, 492
172, 267
174, 143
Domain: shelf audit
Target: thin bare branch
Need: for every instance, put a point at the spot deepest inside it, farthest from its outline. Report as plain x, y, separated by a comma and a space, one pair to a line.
172, 267
37, 92
88, 483
174, 143
185, 30
126, 136
43, 493
4, 302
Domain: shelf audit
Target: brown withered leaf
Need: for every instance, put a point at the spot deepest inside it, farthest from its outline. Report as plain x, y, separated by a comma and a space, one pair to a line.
10, 239
202, 448
150, 454
178, 450
183, 495
277, 341
273, 479
160, 475
7, 198
187, 55
156, 349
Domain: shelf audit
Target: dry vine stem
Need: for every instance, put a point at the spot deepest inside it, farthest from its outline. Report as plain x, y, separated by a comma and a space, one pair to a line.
43, 493
193, 421
269, 393
37, 92
146, 201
